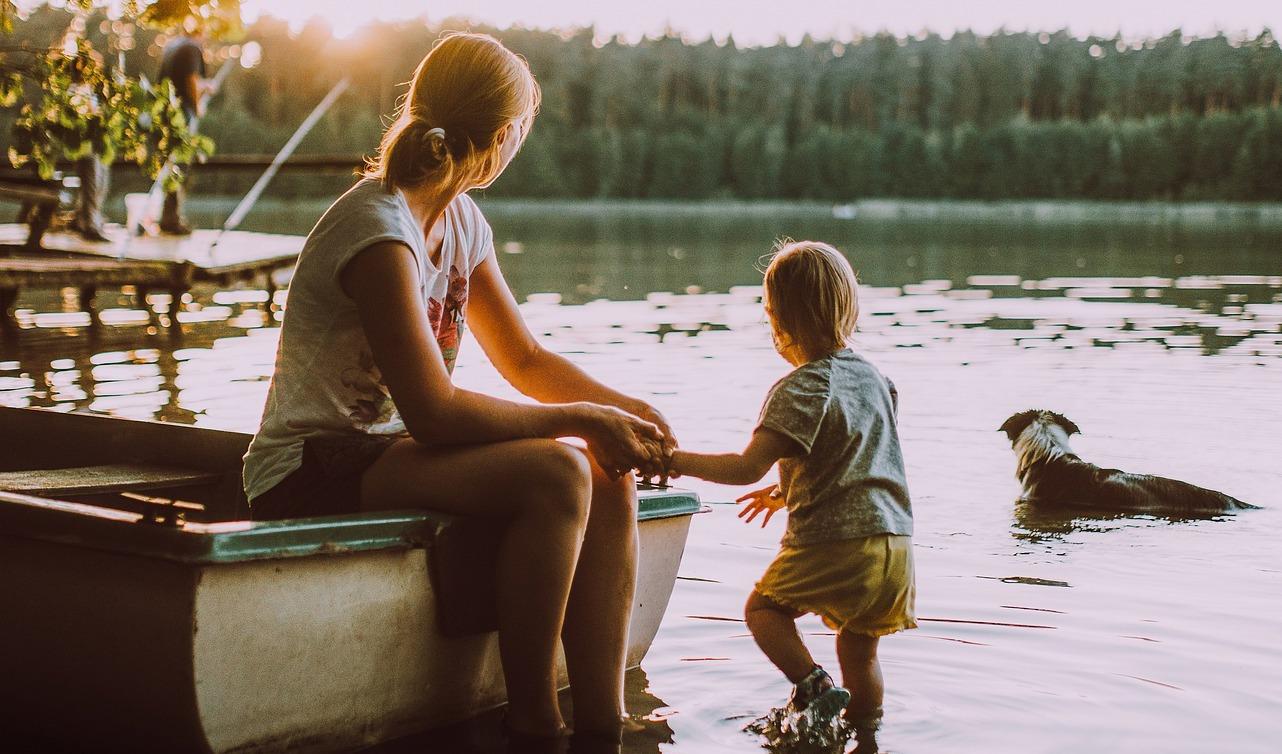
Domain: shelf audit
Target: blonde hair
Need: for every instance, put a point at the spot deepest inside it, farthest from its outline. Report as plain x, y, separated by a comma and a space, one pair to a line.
464, 94
813, 296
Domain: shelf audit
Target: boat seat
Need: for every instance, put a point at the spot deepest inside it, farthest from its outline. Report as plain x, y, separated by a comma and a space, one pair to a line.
106, 479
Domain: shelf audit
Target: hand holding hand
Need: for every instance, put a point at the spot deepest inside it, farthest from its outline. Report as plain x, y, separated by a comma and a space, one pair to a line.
668, 442
620, 442
652, 415
768, 499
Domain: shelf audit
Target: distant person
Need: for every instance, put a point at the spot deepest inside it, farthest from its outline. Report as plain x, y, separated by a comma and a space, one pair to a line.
95, 177
363, 414
847, 552
183, 63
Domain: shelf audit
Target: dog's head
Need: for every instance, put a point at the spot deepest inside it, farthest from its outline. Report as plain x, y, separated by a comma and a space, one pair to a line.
1016, 424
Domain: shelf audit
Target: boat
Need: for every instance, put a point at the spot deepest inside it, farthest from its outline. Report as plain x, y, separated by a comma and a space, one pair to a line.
144, 612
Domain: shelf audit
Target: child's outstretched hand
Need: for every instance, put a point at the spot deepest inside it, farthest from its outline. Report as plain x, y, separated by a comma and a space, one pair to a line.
767, 499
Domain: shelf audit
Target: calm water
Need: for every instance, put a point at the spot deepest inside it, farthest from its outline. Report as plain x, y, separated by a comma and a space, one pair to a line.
1162, 341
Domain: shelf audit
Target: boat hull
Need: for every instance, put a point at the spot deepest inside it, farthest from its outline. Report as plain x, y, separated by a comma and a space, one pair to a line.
129, 636
346, 652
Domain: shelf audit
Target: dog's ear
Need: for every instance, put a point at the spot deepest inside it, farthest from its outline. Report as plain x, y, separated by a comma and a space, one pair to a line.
1015, 426
1065, 422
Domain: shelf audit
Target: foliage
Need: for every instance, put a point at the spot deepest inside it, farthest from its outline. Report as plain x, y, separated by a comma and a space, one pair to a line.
82, 111
72, 105
1006, 115
219, 19
1009, 115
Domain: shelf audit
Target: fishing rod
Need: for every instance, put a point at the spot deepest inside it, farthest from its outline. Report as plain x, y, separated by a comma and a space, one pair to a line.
246, 204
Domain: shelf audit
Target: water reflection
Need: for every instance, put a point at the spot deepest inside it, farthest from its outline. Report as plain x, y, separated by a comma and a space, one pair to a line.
1041, 525
226, 350
1039, 634
484, 734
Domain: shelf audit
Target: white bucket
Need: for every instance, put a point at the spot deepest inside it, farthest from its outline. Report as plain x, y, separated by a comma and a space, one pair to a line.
141, 214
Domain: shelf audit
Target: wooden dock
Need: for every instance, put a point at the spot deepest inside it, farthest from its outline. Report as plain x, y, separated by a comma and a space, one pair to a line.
166, 263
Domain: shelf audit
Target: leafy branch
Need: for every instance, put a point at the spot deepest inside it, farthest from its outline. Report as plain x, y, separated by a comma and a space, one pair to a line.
71, 105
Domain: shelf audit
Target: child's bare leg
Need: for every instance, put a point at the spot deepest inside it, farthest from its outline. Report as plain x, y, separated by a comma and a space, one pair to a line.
861, 675
774, 627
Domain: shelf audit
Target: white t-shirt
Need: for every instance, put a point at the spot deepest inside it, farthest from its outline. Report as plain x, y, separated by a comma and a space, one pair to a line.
325, 382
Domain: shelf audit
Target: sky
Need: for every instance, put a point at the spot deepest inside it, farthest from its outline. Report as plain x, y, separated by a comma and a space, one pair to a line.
764, 21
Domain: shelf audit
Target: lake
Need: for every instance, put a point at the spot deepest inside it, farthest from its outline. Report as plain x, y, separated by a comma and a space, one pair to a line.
1161, 336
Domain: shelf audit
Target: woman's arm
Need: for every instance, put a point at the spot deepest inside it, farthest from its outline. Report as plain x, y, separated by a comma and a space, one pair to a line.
383, 281
543, 375
765, 448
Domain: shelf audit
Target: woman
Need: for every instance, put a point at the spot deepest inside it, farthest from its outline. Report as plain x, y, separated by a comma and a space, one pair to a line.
362, 413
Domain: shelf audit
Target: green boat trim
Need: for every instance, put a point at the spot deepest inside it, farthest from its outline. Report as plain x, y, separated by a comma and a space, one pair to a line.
81, 525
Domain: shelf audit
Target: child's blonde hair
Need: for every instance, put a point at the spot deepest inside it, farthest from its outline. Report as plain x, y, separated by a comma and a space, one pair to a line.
464, 94
813, 296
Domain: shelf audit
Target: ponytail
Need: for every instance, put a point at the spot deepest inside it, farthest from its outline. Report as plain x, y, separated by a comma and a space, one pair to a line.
465, 93
413, 152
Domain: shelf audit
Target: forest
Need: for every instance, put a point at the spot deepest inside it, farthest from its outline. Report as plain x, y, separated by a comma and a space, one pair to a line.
1010, 115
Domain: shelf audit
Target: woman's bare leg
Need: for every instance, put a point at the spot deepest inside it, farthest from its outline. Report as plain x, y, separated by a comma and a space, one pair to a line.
595, 635
542, 488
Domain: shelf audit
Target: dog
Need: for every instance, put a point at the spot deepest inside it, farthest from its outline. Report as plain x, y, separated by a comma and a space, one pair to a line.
1053, 475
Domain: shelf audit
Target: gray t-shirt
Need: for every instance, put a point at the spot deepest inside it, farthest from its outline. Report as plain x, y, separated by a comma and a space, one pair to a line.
326, 383
850, 481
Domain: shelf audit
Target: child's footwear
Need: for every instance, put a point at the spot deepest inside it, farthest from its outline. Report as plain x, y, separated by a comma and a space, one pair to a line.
818, 697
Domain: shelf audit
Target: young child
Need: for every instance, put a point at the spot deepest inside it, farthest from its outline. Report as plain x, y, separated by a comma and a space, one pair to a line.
847, 551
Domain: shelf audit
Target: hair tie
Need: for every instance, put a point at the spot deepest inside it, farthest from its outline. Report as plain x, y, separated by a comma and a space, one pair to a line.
436, 132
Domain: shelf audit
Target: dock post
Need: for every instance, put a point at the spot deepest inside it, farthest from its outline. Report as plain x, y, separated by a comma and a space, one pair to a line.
181, 279
8, 322
87, 294
140, 299
38, 220
175, 303
270, 285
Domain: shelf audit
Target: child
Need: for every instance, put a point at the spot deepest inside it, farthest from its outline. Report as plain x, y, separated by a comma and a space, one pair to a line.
847, 551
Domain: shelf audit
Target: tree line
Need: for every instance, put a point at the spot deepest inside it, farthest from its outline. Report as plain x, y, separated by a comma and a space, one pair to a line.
999, 116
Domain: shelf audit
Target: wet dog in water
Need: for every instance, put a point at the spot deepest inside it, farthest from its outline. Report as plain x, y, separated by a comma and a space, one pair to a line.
1052, 474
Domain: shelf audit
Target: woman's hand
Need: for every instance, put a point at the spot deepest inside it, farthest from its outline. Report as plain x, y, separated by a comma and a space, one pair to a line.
620, 442
668, 442
767, 499
652, 415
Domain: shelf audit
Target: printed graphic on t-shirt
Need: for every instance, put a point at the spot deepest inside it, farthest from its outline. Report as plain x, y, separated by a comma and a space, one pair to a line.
446, 317
369, 402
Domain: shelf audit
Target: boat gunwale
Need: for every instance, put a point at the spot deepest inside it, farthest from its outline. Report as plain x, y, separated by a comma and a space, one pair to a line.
102, 528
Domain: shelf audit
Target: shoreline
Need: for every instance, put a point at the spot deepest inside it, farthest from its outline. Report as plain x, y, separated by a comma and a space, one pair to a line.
960, 210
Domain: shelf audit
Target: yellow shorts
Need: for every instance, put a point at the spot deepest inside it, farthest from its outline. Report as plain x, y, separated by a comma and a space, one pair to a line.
864, 585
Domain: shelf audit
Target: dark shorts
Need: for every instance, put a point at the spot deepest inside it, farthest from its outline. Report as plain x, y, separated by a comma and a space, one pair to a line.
327, 483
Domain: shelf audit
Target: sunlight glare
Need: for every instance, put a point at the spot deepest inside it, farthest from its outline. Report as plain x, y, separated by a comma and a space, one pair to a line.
251, 54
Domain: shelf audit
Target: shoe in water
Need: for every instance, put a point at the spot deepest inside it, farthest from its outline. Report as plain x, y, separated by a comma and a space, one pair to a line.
818, 698
810, 722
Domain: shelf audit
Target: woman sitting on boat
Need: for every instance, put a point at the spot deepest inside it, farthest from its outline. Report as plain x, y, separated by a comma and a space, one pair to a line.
362, 413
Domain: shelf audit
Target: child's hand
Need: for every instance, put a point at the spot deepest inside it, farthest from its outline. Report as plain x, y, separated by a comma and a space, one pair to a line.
767, 499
